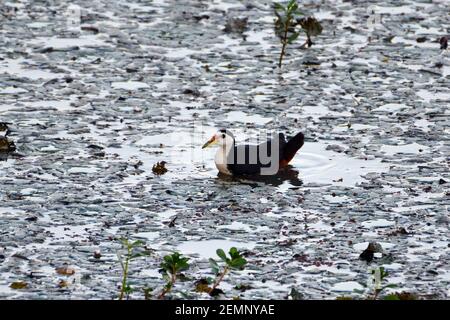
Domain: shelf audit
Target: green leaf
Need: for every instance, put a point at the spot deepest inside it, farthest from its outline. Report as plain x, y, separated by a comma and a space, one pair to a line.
238, 263
124, 242
390, 286
182, 264
234, 253
293, 37
293, 8
213, 263
137, 243
291, 4
140, 254
279, 6
168, 285
128, 289
391, 297
221, 254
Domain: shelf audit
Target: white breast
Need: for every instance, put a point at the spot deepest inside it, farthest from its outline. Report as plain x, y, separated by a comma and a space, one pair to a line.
221, 160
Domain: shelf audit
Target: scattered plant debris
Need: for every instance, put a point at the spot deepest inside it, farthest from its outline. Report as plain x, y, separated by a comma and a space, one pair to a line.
236, 25
65, 271
159, 168
17, 285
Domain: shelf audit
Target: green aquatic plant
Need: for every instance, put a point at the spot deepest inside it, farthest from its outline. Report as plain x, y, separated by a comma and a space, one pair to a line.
235, 261
133, 250
171, 267
285, 26
378, 284
379, 275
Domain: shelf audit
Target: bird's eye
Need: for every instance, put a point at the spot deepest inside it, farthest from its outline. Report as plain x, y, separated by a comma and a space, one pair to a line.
223, 136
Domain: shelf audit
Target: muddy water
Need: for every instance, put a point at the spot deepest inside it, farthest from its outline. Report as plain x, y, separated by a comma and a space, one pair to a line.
91, 111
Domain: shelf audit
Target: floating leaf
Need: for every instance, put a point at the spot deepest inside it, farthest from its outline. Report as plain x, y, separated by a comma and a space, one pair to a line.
18, 285
344, 298
202, 285
6, 145
65, 271
159, 168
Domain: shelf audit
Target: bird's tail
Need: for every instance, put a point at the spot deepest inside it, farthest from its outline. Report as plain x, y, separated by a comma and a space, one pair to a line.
292, 146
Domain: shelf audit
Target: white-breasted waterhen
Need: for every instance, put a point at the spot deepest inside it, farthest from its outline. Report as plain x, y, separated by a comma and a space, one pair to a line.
262, 159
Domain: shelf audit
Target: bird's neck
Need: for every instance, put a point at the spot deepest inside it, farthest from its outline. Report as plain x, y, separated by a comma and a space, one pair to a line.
222, 153
221, 158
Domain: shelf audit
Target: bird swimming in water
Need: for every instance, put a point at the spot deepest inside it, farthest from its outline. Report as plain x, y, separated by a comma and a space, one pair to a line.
262, 159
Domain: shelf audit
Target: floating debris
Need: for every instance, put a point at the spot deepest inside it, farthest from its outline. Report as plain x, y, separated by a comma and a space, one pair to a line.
65, 271
18, 285
78, 188
7, 145
236, 24
159, 168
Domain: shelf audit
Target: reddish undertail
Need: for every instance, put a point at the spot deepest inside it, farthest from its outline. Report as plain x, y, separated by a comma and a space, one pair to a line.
292, 146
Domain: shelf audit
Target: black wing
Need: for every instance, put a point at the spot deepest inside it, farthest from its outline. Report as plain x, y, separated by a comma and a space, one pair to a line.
249, 159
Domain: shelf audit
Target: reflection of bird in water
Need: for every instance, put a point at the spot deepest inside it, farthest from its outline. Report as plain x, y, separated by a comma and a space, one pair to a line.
287, 174
444, 43
442, 59
265, 159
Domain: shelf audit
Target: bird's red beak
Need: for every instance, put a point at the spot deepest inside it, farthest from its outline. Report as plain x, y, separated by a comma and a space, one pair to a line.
210, 142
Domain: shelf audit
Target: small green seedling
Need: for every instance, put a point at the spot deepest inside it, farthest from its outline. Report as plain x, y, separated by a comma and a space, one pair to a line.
172, 265
375, 287
285, 26
379, 274
130, 247
234, 262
